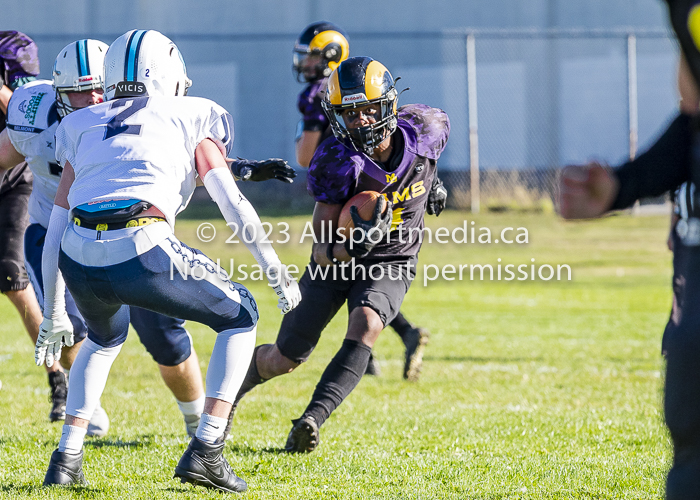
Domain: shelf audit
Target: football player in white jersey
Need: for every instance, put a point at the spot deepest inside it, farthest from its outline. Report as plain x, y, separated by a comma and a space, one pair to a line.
129, 167
36, 110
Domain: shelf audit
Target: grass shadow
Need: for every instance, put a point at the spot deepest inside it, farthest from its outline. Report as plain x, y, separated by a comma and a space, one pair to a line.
478, 359
97, 443
248, 450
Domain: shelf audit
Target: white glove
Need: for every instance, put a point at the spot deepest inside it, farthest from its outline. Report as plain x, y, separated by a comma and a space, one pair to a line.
285, 286
53, 334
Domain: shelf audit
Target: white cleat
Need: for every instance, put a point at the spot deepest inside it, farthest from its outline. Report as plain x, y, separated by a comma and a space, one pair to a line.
99, 423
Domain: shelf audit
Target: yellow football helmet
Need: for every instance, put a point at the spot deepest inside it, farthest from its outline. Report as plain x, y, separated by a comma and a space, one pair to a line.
359, 81
318, 51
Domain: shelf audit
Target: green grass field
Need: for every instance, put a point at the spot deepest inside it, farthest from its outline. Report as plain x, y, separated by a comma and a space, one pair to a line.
530, 389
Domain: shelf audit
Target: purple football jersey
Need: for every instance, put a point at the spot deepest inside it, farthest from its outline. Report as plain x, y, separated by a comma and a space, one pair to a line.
309, 104
338, 171
19, 55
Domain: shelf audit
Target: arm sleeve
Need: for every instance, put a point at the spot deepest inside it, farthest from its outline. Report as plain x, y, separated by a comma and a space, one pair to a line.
54, 286
236, 209
664, 167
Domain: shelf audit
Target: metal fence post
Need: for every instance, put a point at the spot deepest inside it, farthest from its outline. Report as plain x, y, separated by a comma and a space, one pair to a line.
473, 125
632, 93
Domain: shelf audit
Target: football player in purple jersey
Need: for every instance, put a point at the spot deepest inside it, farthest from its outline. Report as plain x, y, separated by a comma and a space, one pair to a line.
320, 48
376, 147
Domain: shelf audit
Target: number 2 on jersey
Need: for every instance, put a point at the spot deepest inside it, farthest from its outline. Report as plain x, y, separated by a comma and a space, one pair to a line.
116, 125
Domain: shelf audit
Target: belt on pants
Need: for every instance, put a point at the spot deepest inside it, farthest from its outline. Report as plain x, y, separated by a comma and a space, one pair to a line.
109, 226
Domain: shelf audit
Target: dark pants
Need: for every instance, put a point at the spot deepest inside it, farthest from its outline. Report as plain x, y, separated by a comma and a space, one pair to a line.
682, 395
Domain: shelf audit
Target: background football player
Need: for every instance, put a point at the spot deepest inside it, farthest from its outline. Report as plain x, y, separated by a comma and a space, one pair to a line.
320, 48
19, 64
376, 147
593, 190
129, 167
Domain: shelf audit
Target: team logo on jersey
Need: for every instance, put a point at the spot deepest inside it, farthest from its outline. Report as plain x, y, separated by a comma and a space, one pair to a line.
354, 98
22, 106
413, 191
391, 178
33, 107
130, 89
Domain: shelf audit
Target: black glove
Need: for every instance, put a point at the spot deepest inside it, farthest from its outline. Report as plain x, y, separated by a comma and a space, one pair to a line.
257, 171
436, 198
373, 231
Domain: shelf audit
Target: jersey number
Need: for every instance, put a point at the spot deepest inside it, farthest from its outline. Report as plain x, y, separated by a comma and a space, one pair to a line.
116, 126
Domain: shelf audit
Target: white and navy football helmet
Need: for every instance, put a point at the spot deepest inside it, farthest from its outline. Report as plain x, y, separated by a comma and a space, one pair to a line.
78, 67
144, 63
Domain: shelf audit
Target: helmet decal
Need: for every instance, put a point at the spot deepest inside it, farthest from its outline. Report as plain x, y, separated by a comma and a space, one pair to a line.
82, 57
131, 63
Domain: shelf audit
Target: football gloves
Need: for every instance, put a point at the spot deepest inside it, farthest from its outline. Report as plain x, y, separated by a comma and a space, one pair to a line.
258, 171
437, 198
371, 231
53, 334
286, 288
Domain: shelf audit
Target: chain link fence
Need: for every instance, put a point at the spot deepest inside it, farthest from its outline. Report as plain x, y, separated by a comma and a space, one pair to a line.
522, 104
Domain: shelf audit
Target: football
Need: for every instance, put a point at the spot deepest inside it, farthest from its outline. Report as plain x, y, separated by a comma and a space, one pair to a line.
366, 202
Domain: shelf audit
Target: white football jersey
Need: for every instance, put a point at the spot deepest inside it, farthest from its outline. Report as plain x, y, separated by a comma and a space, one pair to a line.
140, 148
32, 120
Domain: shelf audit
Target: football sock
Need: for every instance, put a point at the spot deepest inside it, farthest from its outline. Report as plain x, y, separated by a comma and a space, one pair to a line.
340, 378
210, 428
400, 324
252, 377
72, 438
229, 363
191, 408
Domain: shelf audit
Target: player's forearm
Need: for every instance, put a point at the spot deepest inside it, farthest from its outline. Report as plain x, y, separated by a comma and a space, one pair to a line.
663, 167
5, 94
237, 210
9, 157
54, 286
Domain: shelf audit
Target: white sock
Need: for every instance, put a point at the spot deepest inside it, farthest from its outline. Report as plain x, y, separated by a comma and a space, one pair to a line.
211, 428
72, 438
191, 408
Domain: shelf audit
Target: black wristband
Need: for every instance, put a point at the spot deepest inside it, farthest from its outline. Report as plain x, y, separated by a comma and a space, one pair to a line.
329, 254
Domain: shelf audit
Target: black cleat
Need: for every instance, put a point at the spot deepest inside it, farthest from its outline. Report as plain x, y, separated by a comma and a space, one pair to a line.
204, 464
59, 393
304, 436
373, 367
65, 469
415, 341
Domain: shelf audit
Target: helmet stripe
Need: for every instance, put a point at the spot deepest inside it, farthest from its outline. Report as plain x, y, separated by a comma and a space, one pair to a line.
131, 64
83, 61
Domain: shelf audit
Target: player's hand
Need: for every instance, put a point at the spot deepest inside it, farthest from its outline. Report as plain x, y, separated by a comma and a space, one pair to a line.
367, 234
258, 171
437, 198
53, 335
587, 191
286, 288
